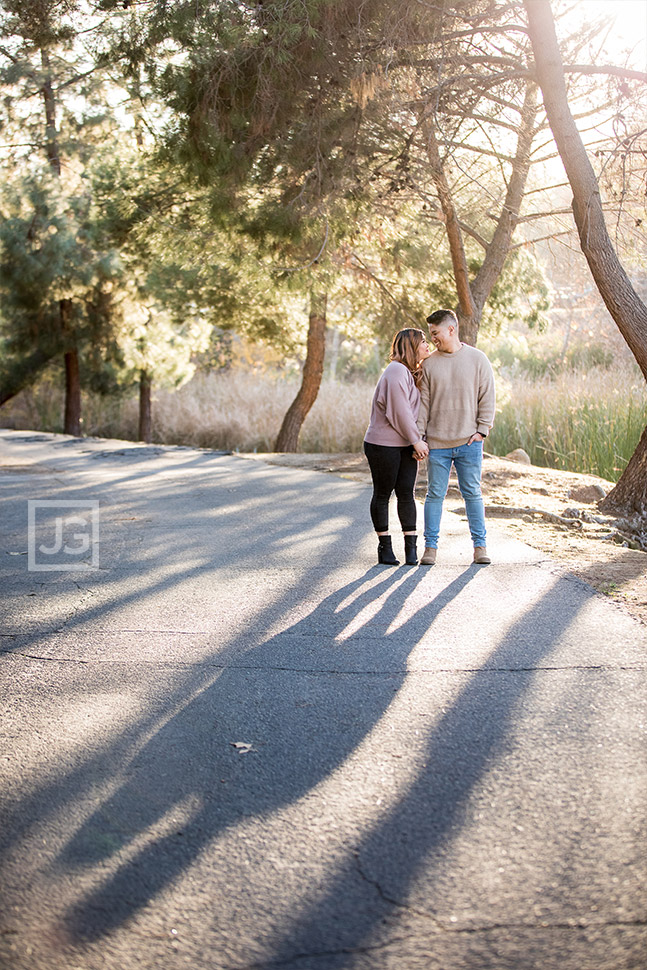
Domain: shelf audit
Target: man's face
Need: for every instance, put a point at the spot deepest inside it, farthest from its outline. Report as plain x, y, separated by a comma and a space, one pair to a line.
441, 336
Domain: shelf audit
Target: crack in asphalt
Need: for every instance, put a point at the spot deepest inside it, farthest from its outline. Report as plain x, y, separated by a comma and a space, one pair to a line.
390, 672
390, 899
320, 954
442, 929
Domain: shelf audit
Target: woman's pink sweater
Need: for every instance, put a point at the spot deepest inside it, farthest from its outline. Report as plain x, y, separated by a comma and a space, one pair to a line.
394, 410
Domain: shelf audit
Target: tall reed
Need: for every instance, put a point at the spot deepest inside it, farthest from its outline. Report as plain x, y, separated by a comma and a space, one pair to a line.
586, 422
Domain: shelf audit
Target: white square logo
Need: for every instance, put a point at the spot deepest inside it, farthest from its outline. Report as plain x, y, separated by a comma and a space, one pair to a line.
62, 535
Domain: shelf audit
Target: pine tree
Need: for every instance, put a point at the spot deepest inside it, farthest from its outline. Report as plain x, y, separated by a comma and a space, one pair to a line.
46, 236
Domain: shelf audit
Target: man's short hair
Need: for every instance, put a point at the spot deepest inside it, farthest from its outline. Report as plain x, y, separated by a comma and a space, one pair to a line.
440, 318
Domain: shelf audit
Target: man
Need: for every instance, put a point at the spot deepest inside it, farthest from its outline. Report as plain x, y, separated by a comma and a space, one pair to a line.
456, 413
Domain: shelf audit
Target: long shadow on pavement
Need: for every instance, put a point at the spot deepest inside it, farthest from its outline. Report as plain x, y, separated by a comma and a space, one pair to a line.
412, 837
192, 754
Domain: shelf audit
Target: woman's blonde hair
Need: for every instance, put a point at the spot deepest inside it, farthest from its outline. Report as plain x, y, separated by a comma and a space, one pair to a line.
405, 347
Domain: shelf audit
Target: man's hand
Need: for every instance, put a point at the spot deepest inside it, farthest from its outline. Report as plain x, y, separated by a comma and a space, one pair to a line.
476, 437
420, 450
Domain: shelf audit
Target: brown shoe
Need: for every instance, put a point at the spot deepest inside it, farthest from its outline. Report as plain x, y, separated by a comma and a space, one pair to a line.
480, 556
428, 556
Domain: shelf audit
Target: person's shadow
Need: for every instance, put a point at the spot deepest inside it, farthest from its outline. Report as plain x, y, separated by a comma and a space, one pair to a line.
407, 847
301, 727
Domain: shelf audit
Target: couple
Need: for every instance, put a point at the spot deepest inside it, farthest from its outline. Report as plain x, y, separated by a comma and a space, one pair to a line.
435, 405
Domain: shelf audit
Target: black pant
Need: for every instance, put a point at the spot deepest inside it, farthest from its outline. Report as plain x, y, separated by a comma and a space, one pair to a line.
392, 469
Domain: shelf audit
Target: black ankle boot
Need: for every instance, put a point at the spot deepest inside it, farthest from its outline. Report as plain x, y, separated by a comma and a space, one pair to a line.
385, 555
410, 550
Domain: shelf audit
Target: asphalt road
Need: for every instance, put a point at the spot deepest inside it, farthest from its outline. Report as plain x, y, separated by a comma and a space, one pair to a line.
231, 741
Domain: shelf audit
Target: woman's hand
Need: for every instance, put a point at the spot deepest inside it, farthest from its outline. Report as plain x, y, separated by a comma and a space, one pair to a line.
420, 450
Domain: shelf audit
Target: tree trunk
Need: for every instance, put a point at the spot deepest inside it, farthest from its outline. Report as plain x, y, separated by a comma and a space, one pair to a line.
72, 419
51, 138
72, 423
621, 300
145, 411
288, 437
630, 494
466, 311
499, 246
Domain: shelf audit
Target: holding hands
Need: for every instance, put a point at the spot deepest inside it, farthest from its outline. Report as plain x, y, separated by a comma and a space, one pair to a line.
420, 450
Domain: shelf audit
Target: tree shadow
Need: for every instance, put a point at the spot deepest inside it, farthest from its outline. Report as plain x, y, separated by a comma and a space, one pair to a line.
189, 536
413, 838
191, 755
182, 745
628, 564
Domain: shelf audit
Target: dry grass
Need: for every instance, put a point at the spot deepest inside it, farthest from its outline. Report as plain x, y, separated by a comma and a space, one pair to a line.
241, 411
582, 422
244, 412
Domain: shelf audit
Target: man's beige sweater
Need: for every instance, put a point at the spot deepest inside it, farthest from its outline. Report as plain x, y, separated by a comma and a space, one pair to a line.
456, 397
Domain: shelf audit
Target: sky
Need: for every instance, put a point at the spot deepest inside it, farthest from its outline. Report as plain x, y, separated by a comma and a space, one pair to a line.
629, 30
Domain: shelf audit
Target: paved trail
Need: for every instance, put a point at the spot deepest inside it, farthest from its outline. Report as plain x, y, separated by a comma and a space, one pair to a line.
239, 744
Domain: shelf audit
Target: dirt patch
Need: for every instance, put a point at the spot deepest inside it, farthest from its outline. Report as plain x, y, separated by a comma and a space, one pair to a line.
537, 506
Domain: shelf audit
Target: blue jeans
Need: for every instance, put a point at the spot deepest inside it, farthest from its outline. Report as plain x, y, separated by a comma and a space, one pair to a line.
467, 461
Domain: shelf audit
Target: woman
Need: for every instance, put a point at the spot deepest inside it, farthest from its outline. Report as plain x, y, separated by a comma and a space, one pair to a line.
393, 444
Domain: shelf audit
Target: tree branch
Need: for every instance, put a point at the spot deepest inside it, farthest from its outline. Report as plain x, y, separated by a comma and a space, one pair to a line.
383, 287
77, 77
315, 259
551, 235
624, 72
492, 153
484, 118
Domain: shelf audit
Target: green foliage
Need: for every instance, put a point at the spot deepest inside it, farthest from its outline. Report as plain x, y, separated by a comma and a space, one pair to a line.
521, 294
189, 261
47, 255
512, 355
247, 74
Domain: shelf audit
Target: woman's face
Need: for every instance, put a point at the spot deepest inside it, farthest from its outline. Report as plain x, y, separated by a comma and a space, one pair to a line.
423, 350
